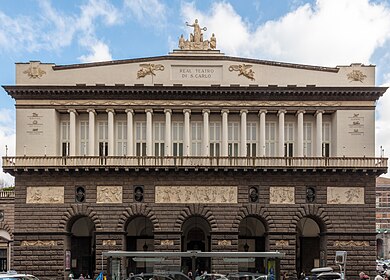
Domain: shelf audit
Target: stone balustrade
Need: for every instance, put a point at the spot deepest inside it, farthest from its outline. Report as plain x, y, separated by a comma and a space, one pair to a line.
7, 194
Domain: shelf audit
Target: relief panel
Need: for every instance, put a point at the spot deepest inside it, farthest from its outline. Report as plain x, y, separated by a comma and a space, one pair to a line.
52, 195
345, 195
281, 195
109, 194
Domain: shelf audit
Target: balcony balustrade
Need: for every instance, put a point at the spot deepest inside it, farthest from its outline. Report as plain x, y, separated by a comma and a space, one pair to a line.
7, 194
134, 162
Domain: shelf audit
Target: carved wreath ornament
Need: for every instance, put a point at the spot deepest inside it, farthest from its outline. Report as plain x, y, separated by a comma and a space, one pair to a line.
356, 76
34, 71
148, 69
243, 70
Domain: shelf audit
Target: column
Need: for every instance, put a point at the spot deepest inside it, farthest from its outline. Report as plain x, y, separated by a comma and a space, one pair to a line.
300, 132
149, 131
224, 113
72, 132
281, 114
91, 131
130, 131
243, 114
168, 132
206, 133
262, 132
318, 115
111, 142
187, 113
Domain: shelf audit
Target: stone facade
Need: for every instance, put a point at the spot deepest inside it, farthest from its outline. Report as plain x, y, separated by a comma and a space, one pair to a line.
7, 215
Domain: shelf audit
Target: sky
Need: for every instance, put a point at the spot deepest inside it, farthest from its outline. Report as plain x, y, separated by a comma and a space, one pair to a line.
322, 33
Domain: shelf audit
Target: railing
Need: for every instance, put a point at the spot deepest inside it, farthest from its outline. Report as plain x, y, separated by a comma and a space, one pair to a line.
7, 194
193, 162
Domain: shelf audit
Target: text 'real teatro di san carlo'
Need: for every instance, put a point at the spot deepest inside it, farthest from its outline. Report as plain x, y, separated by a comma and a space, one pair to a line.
193, 151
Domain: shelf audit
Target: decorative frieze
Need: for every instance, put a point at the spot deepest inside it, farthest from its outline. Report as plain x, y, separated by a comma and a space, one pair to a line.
224, 243
109, 242
351, 243
167, 242
109, 194
38, 243
282, 243
52, 195
196, 194
281, 195
345, 195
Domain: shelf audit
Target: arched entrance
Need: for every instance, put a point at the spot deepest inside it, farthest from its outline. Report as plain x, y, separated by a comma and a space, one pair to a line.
251, 238
310, 250
82, 247
379, 248
5, 250
139, 237
196, 237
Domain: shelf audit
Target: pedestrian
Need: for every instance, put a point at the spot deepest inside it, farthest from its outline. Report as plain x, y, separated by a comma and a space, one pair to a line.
81, 277
363, 276
378, 277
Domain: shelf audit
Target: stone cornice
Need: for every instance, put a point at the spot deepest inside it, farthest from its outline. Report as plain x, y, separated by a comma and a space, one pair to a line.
158, 92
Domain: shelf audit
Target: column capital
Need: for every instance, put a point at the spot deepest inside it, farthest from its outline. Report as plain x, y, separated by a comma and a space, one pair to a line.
187, 111
149, 111
262, 111
243, 111
91, 111
205, 111
319, 112
110, 110
131, 111
167, 111
73, 111
300, 112
282, 111
224, 111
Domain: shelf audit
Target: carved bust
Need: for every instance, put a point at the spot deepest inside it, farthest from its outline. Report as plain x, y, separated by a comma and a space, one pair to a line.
310, 194
138, 193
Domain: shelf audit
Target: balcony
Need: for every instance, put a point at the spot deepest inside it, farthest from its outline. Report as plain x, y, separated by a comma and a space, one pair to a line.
26, 163
7, 194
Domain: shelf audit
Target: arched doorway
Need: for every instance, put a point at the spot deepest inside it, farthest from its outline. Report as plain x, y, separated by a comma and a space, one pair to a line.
196, 237
310, 250
139, 237
379, 248
82, 246
5, 250
251, 238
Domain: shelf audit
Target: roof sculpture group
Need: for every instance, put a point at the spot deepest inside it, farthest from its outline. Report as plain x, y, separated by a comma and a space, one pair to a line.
196, 41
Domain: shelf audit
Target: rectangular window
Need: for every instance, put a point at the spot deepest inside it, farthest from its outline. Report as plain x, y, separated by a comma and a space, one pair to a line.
65, 142
289, 139
84, 131
326, 139
103, 138
270, 139
177, 138
121, 138
159, 138
3, 260
140, 138
233, 139
307, 139
215, 139
251, 139
196, 138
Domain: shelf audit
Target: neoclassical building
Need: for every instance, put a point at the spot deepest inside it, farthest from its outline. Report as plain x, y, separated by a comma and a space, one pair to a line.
194, 150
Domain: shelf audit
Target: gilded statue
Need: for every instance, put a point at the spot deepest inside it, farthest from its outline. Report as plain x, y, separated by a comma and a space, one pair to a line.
196, 41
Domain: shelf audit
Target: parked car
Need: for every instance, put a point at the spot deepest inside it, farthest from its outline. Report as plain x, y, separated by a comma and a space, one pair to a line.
213, 276
165, 275
246, 276
323, 273
13, 275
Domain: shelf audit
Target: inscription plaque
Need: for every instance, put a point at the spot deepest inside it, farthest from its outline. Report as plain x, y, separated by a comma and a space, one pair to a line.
196, 73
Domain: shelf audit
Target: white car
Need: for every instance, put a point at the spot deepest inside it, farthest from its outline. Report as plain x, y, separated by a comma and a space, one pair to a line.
13, 275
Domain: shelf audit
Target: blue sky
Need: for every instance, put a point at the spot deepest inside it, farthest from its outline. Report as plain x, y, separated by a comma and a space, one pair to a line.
322, 32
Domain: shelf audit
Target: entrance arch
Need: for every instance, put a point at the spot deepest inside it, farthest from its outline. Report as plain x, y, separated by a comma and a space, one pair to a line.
5, 250
251, 238
82, 246
310, 252
139, 237
196, 237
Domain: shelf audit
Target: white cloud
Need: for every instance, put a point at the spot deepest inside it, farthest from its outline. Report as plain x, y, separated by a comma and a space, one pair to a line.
7, 141
100, 52
148, 12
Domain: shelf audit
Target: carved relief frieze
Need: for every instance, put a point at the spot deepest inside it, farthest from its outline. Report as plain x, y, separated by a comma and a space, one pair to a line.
109, 242
345, 195
196, 194
34, 71
351, 243
224, 243
52, 195
109, 194
356, 76
149, 69
282, 243
38, 243
243, 70
281, 195
167, 242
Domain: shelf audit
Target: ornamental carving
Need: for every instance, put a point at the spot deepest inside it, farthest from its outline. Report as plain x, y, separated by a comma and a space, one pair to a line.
243, 70
351, 243
196, 41
109, 194
167, 242
356, 76
281, 195
149, 69
345, 195
34, 71
224, 242
282, 243
109, 242
196, 194
39, 243
52, 195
